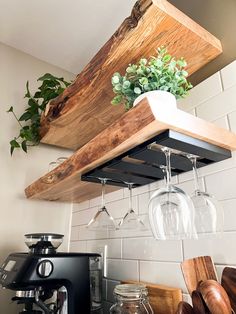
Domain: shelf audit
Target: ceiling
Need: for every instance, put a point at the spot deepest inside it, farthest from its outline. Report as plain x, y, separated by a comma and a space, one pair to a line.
67, 33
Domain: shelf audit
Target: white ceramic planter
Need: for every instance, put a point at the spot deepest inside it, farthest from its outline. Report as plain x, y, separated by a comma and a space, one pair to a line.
161, 98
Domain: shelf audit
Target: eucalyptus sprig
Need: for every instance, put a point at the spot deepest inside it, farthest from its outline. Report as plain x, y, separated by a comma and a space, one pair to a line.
161, 72
29, 121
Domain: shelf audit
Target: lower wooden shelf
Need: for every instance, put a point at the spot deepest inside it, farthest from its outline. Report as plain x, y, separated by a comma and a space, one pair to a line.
135, 128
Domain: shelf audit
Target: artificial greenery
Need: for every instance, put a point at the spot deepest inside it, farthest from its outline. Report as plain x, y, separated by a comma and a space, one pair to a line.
29, 121
162, 72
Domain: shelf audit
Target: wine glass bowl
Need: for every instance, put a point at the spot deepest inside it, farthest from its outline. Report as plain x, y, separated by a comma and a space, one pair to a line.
131, 220
209, 214
102, 219
171, 214
171, 211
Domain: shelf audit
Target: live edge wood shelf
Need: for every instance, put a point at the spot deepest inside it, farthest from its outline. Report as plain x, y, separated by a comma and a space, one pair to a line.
109, 140
145, 123
84, 109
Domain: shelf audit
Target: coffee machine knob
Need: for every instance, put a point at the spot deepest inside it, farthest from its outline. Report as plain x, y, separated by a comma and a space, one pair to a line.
45, 268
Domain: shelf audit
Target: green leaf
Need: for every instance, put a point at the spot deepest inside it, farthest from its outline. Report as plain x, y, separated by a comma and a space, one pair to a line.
27, 95
118, 87
24, 146
115, 79
10, 109
137, 90
166, 58
116, 100
14, 143
126, 84
25, 116
48, 76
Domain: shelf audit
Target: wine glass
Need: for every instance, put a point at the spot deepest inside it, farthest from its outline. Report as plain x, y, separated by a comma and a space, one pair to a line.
209, 214
102, 219
131, 220
171, 211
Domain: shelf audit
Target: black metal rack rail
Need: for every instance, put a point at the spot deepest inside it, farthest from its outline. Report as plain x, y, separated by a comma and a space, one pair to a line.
143, 164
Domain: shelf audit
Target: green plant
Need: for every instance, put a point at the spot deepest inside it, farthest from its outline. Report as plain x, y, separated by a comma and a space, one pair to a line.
29, 121
162, 72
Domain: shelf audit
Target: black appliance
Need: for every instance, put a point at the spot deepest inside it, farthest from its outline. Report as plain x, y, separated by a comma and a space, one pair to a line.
46, 281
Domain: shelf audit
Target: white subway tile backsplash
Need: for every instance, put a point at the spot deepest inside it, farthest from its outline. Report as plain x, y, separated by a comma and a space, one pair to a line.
84, 216
115, 196
86, 234
222, 249
151, 249
164, 273
202, 92
232, 121
122, 269
74, 235
78, 246
222, 122
143, 200
80, 206
189, 186
137, 191
126, 233
113, 247
228, 75
222, 184
218, 106
229, 207
119, 208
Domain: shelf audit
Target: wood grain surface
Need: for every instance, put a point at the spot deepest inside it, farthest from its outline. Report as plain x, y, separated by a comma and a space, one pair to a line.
136, 126
228, 281
197, 269
185, 308
84, 109
215, 297
163, 299
199, 305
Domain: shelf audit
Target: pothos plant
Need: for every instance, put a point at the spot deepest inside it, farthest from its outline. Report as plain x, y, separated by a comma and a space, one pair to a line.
29, 122
161, 72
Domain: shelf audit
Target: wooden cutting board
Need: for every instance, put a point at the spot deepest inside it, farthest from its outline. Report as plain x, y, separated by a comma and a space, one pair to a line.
163, 299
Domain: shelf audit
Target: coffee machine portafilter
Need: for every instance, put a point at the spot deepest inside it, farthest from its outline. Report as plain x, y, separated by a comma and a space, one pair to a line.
49, 282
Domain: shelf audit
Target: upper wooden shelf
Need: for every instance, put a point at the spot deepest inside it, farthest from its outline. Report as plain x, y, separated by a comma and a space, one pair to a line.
140, 124
84, 109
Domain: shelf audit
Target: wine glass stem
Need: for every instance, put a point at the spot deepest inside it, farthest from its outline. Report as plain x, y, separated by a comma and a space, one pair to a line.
130, 186
195, 174
103, 193
168, 166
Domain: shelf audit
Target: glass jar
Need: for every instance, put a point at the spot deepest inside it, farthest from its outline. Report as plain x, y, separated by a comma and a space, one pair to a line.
131, 299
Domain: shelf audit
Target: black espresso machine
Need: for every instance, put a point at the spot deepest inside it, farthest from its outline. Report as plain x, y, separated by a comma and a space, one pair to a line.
49, 282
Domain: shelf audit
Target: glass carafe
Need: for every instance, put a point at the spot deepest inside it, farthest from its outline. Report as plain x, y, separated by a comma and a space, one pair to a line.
131, 299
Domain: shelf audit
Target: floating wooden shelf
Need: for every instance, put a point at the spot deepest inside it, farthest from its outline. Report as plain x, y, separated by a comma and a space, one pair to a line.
144, 123
84, 109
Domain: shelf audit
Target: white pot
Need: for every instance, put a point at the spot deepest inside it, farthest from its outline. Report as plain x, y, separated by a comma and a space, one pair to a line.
161, 98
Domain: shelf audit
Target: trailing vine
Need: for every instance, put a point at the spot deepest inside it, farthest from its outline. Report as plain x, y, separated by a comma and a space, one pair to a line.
29, 121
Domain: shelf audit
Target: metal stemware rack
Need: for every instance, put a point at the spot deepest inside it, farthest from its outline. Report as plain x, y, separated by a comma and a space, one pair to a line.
143, 164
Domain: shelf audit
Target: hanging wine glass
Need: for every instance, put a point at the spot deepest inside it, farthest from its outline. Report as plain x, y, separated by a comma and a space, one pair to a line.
171, 211
102, 219
209, 215
131, 220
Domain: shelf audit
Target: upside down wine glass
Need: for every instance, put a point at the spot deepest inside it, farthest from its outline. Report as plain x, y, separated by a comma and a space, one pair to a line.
102, 220
131, 220
171, 211
209, 215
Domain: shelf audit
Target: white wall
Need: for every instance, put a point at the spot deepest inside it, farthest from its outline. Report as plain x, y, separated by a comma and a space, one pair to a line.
137, 256
17, 214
